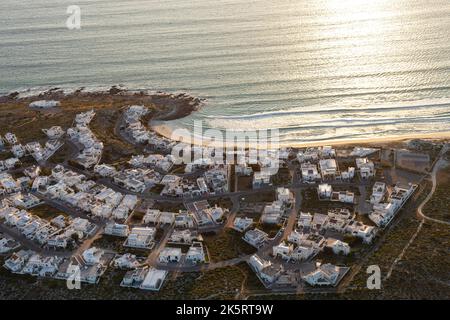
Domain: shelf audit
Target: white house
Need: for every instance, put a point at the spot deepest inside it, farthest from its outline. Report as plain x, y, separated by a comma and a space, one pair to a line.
151, 216
44, 104
244, 170
283, 250
116, 229
170, 255
10, 138
338, 246
105, 170
196, 253
154, 279
378, 192
93, 255
58, 241
272, 213
257, 263
343, 196
324, 275
184, 236
295, 237
8, 245
242, 224
25, 201
336, 224
59, 221
328, 168
215, 213
366, 167
54, 132
126, 261
310, 154
304, 220
261, 179
324, 191
309, 172
302, 253
167, 218
18, 150
285, 195
360, 230
184, 220
349, 174
17, 261
327, 152
255, 237
319, 221
140, 237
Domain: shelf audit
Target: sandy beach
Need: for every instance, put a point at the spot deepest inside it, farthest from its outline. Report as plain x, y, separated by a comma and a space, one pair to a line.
167, 130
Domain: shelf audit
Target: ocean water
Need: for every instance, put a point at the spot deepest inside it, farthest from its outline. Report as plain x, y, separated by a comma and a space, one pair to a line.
316, 69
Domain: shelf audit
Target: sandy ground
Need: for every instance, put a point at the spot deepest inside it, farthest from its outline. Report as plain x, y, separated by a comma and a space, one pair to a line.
170, 132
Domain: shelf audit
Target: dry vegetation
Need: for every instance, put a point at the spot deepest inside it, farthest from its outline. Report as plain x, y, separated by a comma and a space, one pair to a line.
228, 244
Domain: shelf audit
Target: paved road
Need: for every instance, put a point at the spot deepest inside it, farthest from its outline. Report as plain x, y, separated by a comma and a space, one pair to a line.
154, 254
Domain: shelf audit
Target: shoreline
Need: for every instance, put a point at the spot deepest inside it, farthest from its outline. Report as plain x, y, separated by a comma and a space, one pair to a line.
172, 106
168, 106
167, 130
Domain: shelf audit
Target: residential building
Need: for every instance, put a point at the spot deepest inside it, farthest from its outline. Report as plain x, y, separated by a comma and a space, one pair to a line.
17, 261
105, 170
170, 255
343, 196
255, 237
242, 224
338, 246
116, 229
153, 280
134, 278
267, 272
285, 196
93, 255
185, 236
18, 150
283, 250
328, 168
54, 132
196, 253
184, 220
261, 179
325, 275
44, 104
360, 230
126, 261
303, 253
310, 154
324, 191
366, 167
309, 172
304, 220
141, 238
11, 138
378, 192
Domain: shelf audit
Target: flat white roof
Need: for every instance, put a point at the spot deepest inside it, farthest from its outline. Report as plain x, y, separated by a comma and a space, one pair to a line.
154, 279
